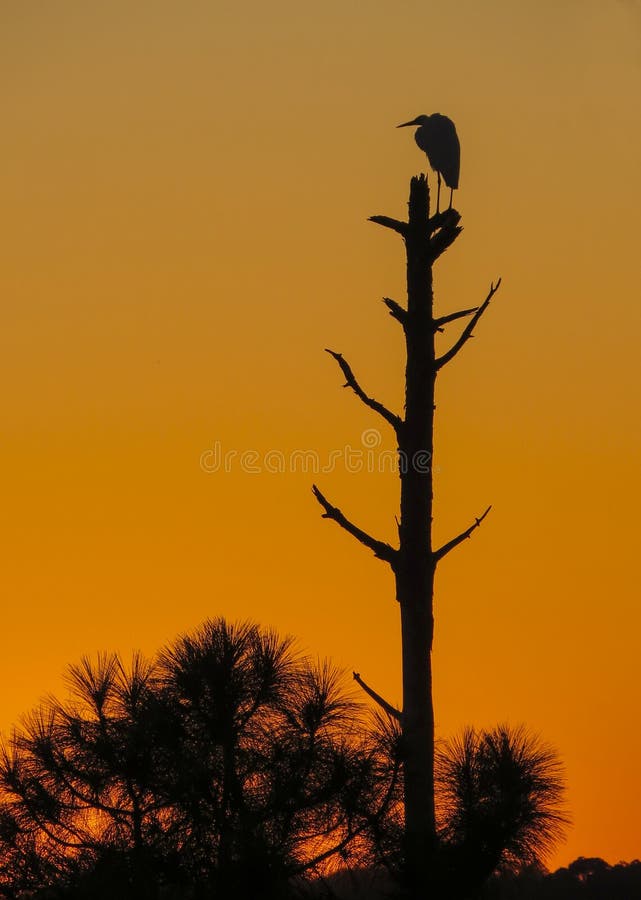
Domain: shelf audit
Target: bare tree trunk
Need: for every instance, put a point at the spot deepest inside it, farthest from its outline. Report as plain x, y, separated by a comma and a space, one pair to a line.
414, 569
414, 562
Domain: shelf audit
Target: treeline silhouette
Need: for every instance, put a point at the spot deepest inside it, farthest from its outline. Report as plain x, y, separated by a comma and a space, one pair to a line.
583, 879
232, 766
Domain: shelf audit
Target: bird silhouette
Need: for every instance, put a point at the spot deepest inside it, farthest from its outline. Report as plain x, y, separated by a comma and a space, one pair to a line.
437, 137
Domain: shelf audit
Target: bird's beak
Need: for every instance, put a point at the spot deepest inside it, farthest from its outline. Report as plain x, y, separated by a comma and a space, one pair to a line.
413, 122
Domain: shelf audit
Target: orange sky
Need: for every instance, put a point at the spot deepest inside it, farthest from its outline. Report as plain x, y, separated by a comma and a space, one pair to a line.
185, 189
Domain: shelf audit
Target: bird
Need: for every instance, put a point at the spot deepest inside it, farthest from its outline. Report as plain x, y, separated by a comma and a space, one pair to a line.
436, 135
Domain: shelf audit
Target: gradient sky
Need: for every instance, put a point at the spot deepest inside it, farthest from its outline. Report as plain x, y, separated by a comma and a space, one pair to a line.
185, 188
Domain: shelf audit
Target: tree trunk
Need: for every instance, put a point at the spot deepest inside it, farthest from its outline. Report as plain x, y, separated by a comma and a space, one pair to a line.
415, 567
415, 560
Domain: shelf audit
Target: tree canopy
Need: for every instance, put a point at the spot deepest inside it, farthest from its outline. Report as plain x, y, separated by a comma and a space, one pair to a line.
231, 765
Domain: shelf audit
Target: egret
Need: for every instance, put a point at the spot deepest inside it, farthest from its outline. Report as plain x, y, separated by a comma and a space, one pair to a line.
437, 136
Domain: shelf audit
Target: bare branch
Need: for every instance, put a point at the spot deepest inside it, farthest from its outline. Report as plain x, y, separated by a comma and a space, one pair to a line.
443, 320
396, 310
446, 218
467, 331
444, 229
351, 382
380, 549
441, 552
384, 705
394, 224
443, 238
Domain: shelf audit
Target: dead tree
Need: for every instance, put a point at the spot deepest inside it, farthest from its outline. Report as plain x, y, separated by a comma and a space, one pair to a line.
415, 559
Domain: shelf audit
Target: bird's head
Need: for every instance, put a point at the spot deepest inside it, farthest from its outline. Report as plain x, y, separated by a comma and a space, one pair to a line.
419, 120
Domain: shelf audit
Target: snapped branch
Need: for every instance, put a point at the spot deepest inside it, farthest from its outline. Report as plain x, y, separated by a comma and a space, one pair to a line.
445, 227
448, 218
467, 331
396, 310
380, 549
351, 382
442, 240
384, 705
442, 551
387, 222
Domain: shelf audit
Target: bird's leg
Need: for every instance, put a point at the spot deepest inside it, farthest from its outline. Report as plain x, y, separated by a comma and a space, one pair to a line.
451, 196
438, 192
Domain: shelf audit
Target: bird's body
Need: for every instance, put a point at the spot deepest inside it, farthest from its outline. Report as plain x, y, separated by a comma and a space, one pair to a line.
436, 136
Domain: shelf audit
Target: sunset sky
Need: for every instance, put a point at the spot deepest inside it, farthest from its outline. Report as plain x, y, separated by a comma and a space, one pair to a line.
184, 190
